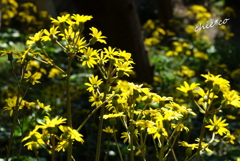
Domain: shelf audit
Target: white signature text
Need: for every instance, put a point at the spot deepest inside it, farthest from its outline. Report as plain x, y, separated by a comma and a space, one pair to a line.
209, 25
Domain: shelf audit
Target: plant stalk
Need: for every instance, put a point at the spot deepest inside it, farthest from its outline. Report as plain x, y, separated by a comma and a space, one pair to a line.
69, 113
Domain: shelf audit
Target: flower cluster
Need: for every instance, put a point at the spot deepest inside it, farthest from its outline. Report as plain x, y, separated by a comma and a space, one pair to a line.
49, 132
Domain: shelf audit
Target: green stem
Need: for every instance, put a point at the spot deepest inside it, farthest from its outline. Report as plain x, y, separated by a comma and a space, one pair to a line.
119, 151
99, 139
161, 149
69, 113
201, 138
15, 115
83, 123
53, 148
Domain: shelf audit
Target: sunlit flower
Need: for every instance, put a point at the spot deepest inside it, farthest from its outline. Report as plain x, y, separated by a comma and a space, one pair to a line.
60, 19
96, 99
33, 78
51, 123
123, 67
81, 18
50, 35
34, 135
35, 39
89, 57
42, 106
232, 98
12, 104
218, 126
188, 88
229, 138
54, 72
72, 133
109, 130
95, 83
185, 144
97, 35
216, 80
107, 116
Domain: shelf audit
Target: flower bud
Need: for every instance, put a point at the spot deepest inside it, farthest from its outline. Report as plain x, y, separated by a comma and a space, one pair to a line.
120, 73
92, 41
188, 151
39, 44
112, 121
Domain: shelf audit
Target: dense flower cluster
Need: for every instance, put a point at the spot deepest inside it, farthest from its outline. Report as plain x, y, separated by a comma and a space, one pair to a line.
142, 113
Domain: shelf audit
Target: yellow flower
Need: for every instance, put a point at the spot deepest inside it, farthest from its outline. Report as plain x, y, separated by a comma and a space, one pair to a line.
185, 144
204, 146
34, 135
151, 41
53, 73
120, 114
72, 133
41, 106
60, 19
232, 98
12, 104
188, 88
189, 29
123, 68
81, 18
109, 130
52, 35
97, 36
51, 123
33, 78
198, 54
95, 83
32, 145
96, 99
217, 81
218, 126
62, 145
179, 127
89, 56
102, 58
126, 136
35, 39
229, 138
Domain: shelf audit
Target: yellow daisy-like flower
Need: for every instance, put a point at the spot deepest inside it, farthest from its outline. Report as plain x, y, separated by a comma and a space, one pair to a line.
229, 138
89, 56
81, 18
50, 35
33, 78
11, 104
96, 99
109, 130
51, 123
72, 133
34, 135
188, 88
120, 114
185, 144
232, 98
97, 36
35, 39
218, 126
95, 83
123, 68
41, 106
217, 81
60, 19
